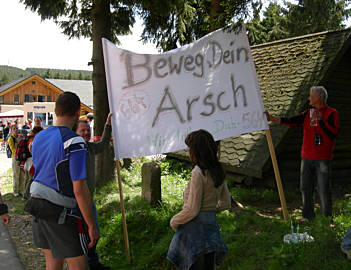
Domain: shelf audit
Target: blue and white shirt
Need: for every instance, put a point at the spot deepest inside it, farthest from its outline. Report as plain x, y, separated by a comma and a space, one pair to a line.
59, 158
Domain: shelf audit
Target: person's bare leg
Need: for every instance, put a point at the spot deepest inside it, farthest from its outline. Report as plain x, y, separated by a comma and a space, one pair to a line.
51, 262
78, 263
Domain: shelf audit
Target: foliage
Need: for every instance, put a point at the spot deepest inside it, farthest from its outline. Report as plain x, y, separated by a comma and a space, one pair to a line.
304, 17
311, 16
9, 74
171, 24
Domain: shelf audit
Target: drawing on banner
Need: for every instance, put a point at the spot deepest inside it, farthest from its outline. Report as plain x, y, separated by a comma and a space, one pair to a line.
134, 105
158, 99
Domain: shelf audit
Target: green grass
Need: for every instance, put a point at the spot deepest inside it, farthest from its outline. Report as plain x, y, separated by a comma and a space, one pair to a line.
254, 241
7, 193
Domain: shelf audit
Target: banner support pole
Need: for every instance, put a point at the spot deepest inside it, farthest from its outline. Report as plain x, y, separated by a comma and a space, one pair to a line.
125, 232
277, 174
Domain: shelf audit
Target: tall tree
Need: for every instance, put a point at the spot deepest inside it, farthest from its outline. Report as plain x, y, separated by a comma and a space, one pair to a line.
311, 16
57, 75
171, 24
296, 19
94, 19
275, 22
4, 79
47, 74
254, 28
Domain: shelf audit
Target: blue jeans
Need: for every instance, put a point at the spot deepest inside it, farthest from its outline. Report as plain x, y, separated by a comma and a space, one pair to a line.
321, 170
198, 237
93, 258
346, 242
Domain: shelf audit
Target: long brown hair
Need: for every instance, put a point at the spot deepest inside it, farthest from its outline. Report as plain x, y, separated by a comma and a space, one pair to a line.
203, 152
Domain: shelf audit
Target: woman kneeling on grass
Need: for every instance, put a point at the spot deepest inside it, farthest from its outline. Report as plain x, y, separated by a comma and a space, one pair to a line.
197, 243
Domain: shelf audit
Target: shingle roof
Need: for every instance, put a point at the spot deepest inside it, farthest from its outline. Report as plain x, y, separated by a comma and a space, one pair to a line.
13, 83
286, 70
84, 89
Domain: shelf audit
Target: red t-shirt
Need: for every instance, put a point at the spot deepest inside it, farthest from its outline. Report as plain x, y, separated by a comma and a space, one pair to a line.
327, 127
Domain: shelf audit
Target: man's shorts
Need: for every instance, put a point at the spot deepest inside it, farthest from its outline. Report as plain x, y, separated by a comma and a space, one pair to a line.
64, 240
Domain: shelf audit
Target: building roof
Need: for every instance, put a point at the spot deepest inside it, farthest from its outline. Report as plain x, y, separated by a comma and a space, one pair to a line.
286, 70
13, 83
83, 88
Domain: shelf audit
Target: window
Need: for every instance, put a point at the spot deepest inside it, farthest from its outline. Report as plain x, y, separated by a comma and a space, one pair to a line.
28, 98
30, 115
48, 98
41, 98
16, 99
50, 118
33, 82
1, 99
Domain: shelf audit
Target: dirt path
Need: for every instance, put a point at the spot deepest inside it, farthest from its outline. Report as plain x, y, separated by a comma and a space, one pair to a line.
20, 227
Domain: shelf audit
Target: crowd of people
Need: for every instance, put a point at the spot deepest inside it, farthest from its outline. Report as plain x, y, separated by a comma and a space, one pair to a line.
58, 181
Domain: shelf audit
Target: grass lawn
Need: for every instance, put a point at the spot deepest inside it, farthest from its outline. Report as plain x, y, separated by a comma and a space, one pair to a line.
253, 233
254, 240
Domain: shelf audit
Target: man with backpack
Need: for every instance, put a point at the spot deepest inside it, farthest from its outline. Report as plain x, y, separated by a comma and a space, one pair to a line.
60, 198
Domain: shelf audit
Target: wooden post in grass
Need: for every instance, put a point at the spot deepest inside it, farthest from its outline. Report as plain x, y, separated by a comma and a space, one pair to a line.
277, 175
125, 232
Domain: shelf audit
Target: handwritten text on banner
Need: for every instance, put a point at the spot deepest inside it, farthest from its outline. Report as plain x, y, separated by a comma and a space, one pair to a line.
158, 99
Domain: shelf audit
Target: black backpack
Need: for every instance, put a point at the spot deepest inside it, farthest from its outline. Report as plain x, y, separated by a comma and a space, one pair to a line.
22, 151
8, 151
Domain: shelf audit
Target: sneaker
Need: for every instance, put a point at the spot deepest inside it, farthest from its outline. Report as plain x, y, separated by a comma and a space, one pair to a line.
99, 266
347, 253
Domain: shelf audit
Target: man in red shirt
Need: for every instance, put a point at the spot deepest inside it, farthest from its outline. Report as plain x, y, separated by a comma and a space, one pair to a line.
320, 127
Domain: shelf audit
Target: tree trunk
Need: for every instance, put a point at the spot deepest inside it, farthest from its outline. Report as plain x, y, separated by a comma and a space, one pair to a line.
101, 25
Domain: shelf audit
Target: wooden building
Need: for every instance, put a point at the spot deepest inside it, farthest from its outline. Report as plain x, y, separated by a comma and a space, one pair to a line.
286, 71
32, 89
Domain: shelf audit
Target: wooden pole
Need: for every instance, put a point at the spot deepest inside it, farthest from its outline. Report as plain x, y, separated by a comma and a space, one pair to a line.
125, 232
277, 174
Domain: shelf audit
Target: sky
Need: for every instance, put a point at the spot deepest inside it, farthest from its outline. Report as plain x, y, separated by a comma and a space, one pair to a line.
26, 41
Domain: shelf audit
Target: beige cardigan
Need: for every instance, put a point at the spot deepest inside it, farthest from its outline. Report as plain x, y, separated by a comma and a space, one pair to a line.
201, 195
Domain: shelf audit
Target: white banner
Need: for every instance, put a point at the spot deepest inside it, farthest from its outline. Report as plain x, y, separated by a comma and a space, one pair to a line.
156, 100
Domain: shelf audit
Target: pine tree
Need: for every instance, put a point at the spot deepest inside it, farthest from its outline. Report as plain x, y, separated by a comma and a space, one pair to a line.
4, 79
47, 74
